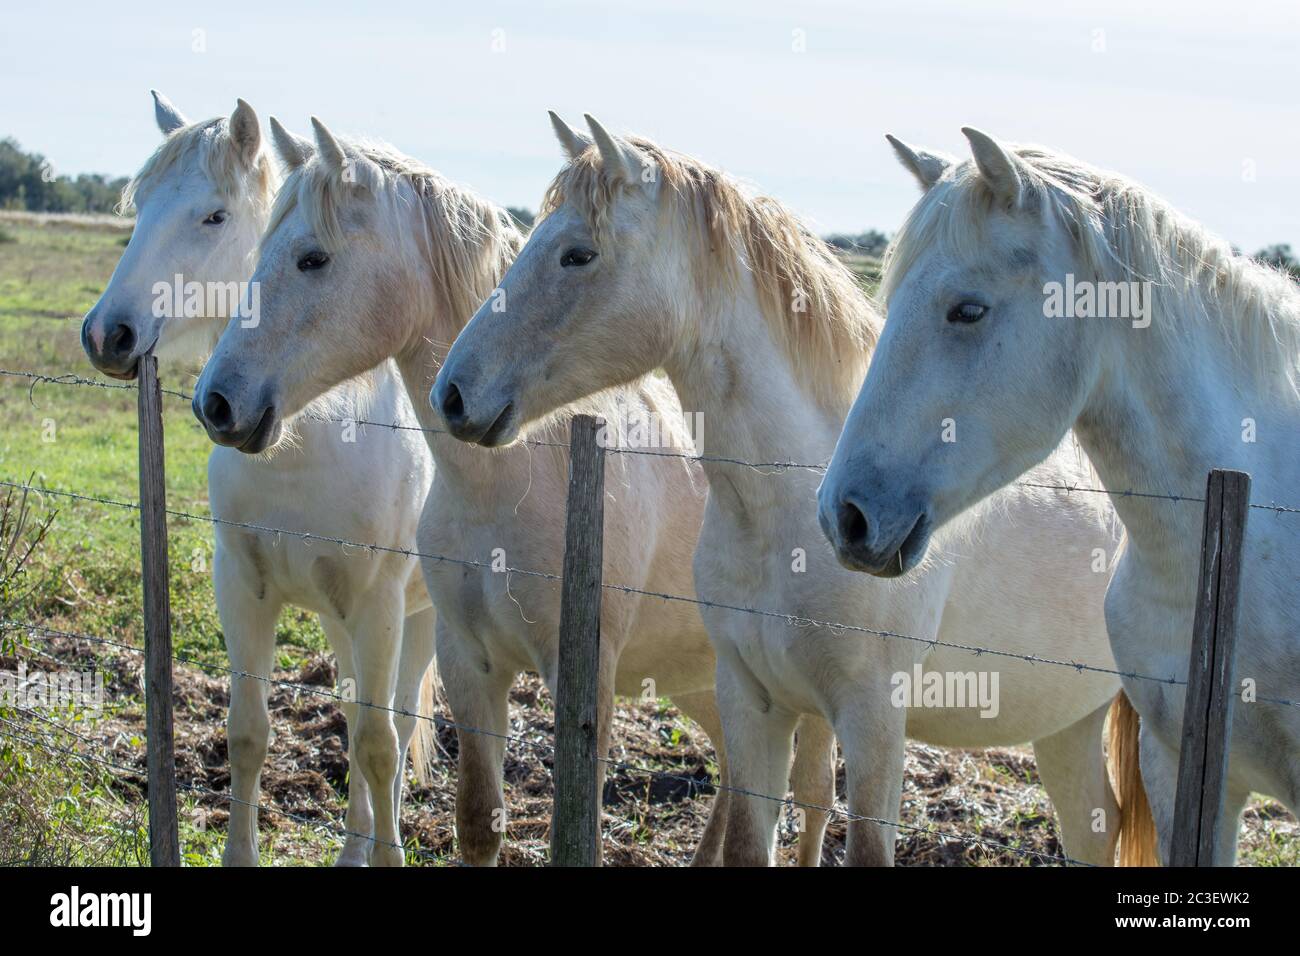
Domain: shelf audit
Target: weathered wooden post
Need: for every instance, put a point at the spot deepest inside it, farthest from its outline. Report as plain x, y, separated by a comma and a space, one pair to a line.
575, 822
164, 841
1207, 713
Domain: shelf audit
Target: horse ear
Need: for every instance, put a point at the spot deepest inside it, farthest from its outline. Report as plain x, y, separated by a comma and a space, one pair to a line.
294, 150
573, 142
168, 116
996, 165
245, 132
620, 159
327, 145
926, 166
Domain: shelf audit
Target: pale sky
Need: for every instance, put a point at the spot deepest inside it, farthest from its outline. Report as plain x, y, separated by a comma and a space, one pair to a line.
1198, 100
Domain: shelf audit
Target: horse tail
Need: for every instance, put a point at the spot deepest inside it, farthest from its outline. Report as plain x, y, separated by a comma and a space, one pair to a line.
424, 739
1136, 834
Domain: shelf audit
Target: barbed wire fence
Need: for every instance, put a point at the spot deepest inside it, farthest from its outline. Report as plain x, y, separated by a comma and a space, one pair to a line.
575, 828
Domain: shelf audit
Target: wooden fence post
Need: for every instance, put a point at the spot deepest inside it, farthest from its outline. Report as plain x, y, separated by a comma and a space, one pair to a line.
1207, 713
575, 821
164, 841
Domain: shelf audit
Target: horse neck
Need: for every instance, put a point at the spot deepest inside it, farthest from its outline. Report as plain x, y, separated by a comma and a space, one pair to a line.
480, 479
418, 362
754, 407
1168, 407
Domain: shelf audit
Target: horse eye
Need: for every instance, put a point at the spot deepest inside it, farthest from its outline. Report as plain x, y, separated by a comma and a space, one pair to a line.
576, 257
313, 260
967, 312
216, 219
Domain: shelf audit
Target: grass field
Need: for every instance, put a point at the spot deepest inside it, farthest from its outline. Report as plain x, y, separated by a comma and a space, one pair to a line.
84, 440
54, 809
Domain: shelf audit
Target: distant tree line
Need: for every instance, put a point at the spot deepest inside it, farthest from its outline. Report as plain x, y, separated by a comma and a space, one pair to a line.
869, 243
523, 217
28, 181
1280, 255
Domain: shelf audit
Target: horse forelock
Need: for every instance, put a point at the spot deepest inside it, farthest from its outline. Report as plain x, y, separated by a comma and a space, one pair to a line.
210, 142
465, 242
1120, 231
811, 301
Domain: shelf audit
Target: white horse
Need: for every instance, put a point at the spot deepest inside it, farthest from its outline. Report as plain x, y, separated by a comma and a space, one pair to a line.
201, 201
1199, 371
646, 258
370, 255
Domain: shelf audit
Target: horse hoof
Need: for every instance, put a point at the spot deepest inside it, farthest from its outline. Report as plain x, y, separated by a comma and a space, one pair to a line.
238, 857
354, 854
387, 856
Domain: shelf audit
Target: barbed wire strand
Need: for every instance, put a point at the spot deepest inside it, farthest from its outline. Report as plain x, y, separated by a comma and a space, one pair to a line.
694, 783
31, 626
509, 738
848, 815
766, 467
792, 619
71, 378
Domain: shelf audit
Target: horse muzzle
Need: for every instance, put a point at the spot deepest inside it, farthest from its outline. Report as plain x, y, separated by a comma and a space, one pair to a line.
497, 427
250, 434
112, 344
885, 543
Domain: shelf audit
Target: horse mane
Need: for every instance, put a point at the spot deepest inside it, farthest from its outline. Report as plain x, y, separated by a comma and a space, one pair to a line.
220, 162
468, 244
816, 312
1122, 232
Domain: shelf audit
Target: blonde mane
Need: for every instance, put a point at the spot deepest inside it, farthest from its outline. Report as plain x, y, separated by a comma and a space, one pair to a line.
219, 158
1121, 231
814, 308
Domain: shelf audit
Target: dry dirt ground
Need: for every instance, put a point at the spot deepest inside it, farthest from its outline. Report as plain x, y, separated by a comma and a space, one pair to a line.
649, 820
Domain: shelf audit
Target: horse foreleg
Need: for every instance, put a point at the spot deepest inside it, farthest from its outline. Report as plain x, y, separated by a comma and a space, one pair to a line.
477, 690
376, 645
416, 659
874, 743
812, 781
759, 738
1072, 766
1160, 779
359, 820
702, 708
248, 625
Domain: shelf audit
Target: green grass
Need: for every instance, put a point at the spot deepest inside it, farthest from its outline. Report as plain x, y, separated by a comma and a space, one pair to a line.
83, 439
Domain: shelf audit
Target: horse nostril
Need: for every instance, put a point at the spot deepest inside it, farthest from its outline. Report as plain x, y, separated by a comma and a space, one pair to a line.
216, 411
120, 341
453, 406
853, 524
